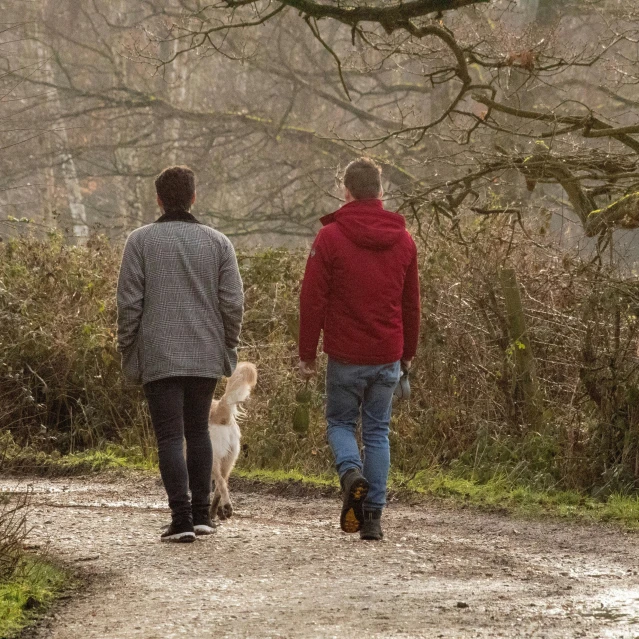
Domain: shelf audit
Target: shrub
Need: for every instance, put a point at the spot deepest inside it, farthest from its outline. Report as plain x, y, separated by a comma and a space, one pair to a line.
61, 389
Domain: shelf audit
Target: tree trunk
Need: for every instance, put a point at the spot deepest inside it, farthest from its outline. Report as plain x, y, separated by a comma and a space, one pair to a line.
61, 143
526, 377
127, 157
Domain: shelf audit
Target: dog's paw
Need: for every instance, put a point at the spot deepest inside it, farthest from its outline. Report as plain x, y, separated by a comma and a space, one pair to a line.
225, 511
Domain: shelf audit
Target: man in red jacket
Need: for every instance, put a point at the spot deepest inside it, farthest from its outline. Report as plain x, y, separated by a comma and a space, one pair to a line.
361, 287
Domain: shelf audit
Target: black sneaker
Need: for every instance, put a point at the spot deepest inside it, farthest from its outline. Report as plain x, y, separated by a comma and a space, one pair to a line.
355, 489
372, 526
202, 523
180, 531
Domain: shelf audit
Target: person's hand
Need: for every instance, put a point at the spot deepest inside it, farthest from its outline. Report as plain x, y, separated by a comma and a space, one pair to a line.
406, 364
307, 369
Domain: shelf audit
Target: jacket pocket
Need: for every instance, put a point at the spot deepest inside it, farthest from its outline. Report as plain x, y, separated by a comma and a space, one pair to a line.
131, 362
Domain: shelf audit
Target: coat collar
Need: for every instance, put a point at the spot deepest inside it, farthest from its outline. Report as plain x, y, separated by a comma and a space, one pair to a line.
177, 215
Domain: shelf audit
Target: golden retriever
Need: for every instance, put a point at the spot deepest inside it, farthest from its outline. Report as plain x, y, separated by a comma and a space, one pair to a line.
225, 434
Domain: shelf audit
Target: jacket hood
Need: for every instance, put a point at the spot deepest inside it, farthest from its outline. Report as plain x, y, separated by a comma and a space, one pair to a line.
367, 224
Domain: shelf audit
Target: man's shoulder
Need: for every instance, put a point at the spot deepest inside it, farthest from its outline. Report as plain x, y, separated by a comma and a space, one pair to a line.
327, 232
148, 235
136, 236
213, 233
326, 238
410, 240
216, 237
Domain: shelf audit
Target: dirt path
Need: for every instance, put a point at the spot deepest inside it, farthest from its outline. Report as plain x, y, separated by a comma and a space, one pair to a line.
282, 568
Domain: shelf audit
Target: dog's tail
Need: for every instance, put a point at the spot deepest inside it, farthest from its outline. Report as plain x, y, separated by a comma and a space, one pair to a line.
240, 384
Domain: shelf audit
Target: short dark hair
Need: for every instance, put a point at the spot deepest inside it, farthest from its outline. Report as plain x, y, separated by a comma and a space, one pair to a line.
175, 187
363, 178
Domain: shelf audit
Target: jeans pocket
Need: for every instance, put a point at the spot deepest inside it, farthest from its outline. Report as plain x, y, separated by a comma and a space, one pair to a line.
390, 375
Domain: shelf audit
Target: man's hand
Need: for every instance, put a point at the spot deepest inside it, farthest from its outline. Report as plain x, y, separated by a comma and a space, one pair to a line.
406, 364
307, 369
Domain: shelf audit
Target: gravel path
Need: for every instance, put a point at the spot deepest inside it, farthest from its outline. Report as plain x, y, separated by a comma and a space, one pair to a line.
282, 568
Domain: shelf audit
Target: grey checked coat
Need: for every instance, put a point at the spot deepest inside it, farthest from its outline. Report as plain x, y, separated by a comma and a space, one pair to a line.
180, 303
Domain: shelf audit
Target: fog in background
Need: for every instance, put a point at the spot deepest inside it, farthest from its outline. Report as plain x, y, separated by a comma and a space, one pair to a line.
268, 104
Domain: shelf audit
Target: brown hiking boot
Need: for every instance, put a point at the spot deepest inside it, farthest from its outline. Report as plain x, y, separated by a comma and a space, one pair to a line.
355, 489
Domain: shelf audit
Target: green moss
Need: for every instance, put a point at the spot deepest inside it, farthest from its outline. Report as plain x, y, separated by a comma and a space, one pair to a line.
285, 476
28, 594
499, 492
613, 205
110, 457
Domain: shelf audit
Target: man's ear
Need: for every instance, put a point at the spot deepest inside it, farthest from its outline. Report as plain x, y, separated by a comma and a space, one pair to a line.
193, 198
160, 203
348, 196
381, 193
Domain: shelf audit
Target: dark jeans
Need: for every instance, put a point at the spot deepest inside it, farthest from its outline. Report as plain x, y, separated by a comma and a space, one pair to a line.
179, 408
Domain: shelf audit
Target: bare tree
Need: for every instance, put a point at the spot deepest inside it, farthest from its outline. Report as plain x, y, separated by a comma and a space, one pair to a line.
474, 108
525, 79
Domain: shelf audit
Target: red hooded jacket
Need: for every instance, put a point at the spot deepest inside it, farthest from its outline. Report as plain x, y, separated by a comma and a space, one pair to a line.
361, 287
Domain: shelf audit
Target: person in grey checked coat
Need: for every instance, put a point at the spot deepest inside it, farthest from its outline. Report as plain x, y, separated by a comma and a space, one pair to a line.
180, 305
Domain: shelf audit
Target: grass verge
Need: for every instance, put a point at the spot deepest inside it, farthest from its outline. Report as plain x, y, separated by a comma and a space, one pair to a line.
500, 494
111, 457
27, 595
497, 494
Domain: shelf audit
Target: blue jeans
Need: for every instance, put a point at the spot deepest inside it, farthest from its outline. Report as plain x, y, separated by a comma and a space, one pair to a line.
351, 389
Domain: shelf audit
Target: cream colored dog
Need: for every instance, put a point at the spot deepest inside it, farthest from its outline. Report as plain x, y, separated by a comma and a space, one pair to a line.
225, 434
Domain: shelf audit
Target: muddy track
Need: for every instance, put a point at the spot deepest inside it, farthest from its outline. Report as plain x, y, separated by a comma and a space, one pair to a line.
282, 568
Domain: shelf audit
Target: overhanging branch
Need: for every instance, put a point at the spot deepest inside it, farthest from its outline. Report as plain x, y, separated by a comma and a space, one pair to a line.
590, 125
622, 213
391, 17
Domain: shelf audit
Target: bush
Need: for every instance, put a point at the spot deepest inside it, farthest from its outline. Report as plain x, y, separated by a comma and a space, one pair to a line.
61, 389
60, 382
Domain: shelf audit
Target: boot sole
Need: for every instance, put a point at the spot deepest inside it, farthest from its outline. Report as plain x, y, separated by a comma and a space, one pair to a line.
203, 529
180, 538
353, 512
371, 536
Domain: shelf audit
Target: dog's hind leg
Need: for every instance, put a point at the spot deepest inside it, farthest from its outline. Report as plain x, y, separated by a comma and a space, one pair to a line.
215, 502
227, 466
221, 496
215, 488
224, 506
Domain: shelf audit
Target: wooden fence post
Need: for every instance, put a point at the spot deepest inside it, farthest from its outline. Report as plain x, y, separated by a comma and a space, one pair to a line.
520, 343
